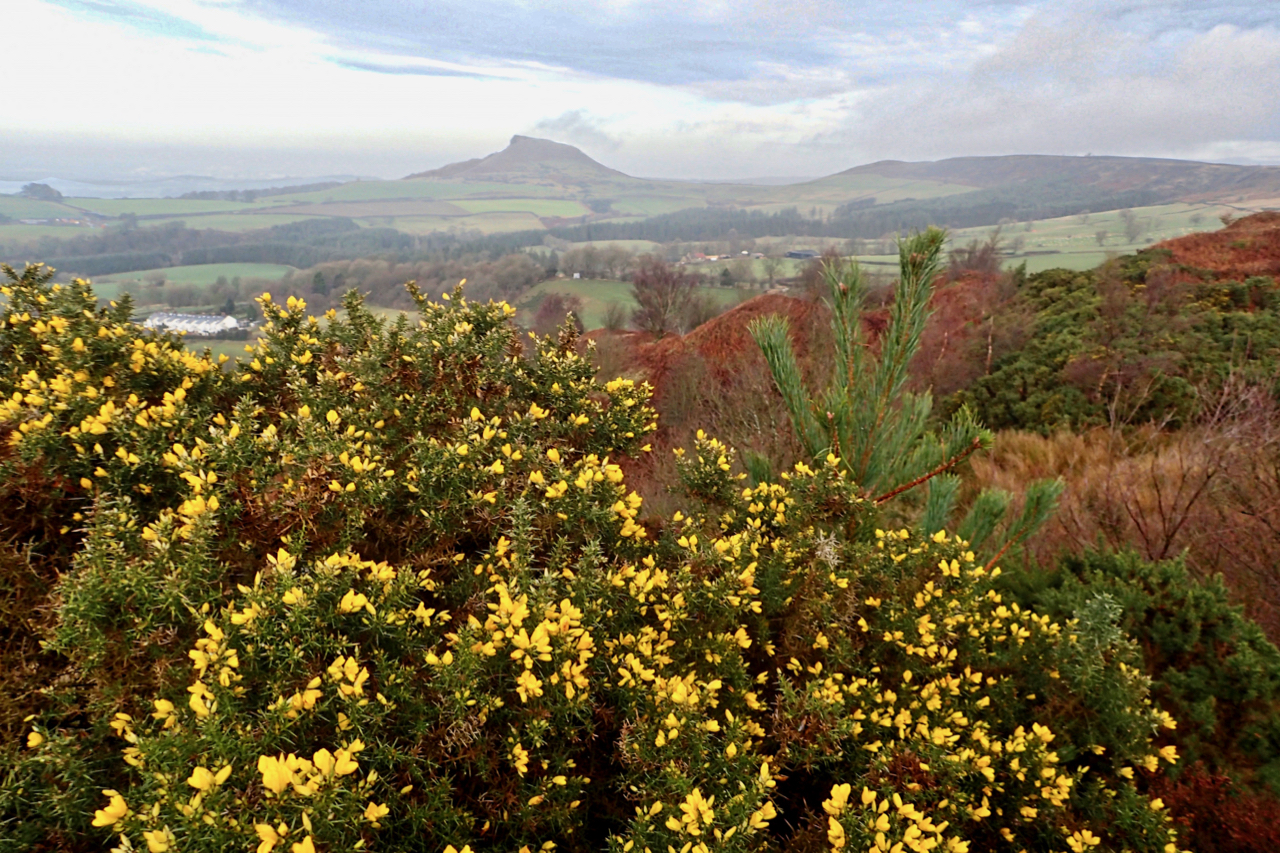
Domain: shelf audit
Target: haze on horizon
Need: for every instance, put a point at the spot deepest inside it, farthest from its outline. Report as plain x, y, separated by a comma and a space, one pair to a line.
255, 89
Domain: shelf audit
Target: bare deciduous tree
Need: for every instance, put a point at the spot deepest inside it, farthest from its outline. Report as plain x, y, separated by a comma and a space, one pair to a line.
772, 266
662, 293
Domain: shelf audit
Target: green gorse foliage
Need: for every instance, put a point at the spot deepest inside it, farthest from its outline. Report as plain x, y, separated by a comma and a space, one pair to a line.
1212, 668
1127, 343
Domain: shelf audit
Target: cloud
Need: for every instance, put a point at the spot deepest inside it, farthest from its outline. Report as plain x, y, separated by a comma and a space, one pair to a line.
1073, 82
420, 70
658, 41
776, 83
139, 16
714, 89
577, 127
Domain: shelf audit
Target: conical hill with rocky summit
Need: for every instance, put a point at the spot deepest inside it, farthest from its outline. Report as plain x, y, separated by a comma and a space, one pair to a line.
529, 158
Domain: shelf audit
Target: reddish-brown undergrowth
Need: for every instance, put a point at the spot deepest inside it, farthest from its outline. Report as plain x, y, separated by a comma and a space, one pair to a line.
1211, 490
1247, 247
1214, 815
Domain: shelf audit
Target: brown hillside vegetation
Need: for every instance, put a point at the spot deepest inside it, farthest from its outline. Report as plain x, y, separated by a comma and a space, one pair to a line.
725, 342
715, 379
1247, 247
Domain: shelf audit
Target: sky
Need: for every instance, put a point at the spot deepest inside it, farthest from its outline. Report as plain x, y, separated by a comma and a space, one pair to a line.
711, 89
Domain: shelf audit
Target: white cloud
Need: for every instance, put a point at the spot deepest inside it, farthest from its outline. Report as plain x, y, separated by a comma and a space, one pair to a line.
1069, 86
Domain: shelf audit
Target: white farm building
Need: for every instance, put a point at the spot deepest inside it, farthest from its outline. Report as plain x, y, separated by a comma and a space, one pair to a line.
192, 324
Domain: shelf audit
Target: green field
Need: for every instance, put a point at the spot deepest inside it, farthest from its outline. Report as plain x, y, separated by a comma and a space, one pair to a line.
597, 294
497, 223
839, 189
154, 206
232, 222
1071, 242
638, 247
15, 207
16, 233
647, 205
393, 208
198, 276
538, 207
390, 190
231, 349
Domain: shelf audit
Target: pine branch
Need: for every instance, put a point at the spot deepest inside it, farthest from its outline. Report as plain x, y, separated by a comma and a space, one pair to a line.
974, 445
771, 335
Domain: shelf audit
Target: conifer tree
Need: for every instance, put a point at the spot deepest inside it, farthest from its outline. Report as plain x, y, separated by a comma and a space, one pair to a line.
878, 429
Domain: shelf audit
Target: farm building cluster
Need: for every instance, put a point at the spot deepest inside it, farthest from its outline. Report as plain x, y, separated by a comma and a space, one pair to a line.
200, 325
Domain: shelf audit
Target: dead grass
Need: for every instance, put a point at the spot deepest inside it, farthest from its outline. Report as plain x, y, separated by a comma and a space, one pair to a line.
1211, 492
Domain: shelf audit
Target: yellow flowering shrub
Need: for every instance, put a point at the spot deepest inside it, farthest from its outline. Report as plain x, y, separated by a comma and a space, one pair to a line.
385, 586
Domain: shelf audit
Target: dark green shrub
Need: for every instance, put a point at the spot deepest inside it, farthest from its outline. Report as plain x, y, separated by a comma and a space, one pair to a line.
1212, 669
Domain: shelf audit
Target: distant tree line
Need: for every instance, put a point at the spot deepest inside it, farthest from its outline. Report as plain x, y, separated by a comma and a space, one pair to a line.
41, 192
251, 195
1034, 200
301, 244
382, 281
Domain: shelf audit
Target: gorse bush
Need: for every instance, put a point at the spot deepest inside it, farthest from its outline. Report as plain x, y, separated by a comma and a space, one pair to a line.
384, 586
1212, 668
1129, 342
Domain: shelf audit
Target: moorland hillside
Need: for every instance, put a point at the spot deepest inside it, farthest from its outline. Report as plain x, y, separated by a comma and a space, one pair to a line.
1165, 179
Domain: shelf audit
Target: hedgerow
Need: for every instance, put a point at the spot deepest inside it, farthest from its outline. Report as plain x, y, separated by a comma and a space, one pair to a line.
384, 586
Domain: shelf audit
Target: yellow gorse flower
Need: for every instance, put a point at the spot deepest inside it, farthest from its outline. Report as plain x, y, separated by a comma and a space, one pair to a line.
374, 812
114, 812
267, 836
277, 775
679, 633
158, 840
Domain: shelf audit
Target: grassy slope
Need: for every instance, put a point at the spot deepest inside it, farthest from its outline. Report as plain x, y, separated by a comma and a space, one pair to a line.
231, 349
538, 207
1070, 241
17, 233
232, 221
486, 223
839, 189
445, 190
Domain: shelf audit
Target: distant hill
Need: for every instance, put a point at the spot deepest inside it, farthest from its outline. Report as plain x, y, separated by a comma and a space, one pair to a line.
525, 159
1166, 180
1035, 181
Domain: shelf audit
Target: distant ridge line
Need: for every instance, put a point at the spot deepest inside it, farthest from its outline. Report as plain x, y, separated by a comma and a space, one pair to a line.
528, 159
